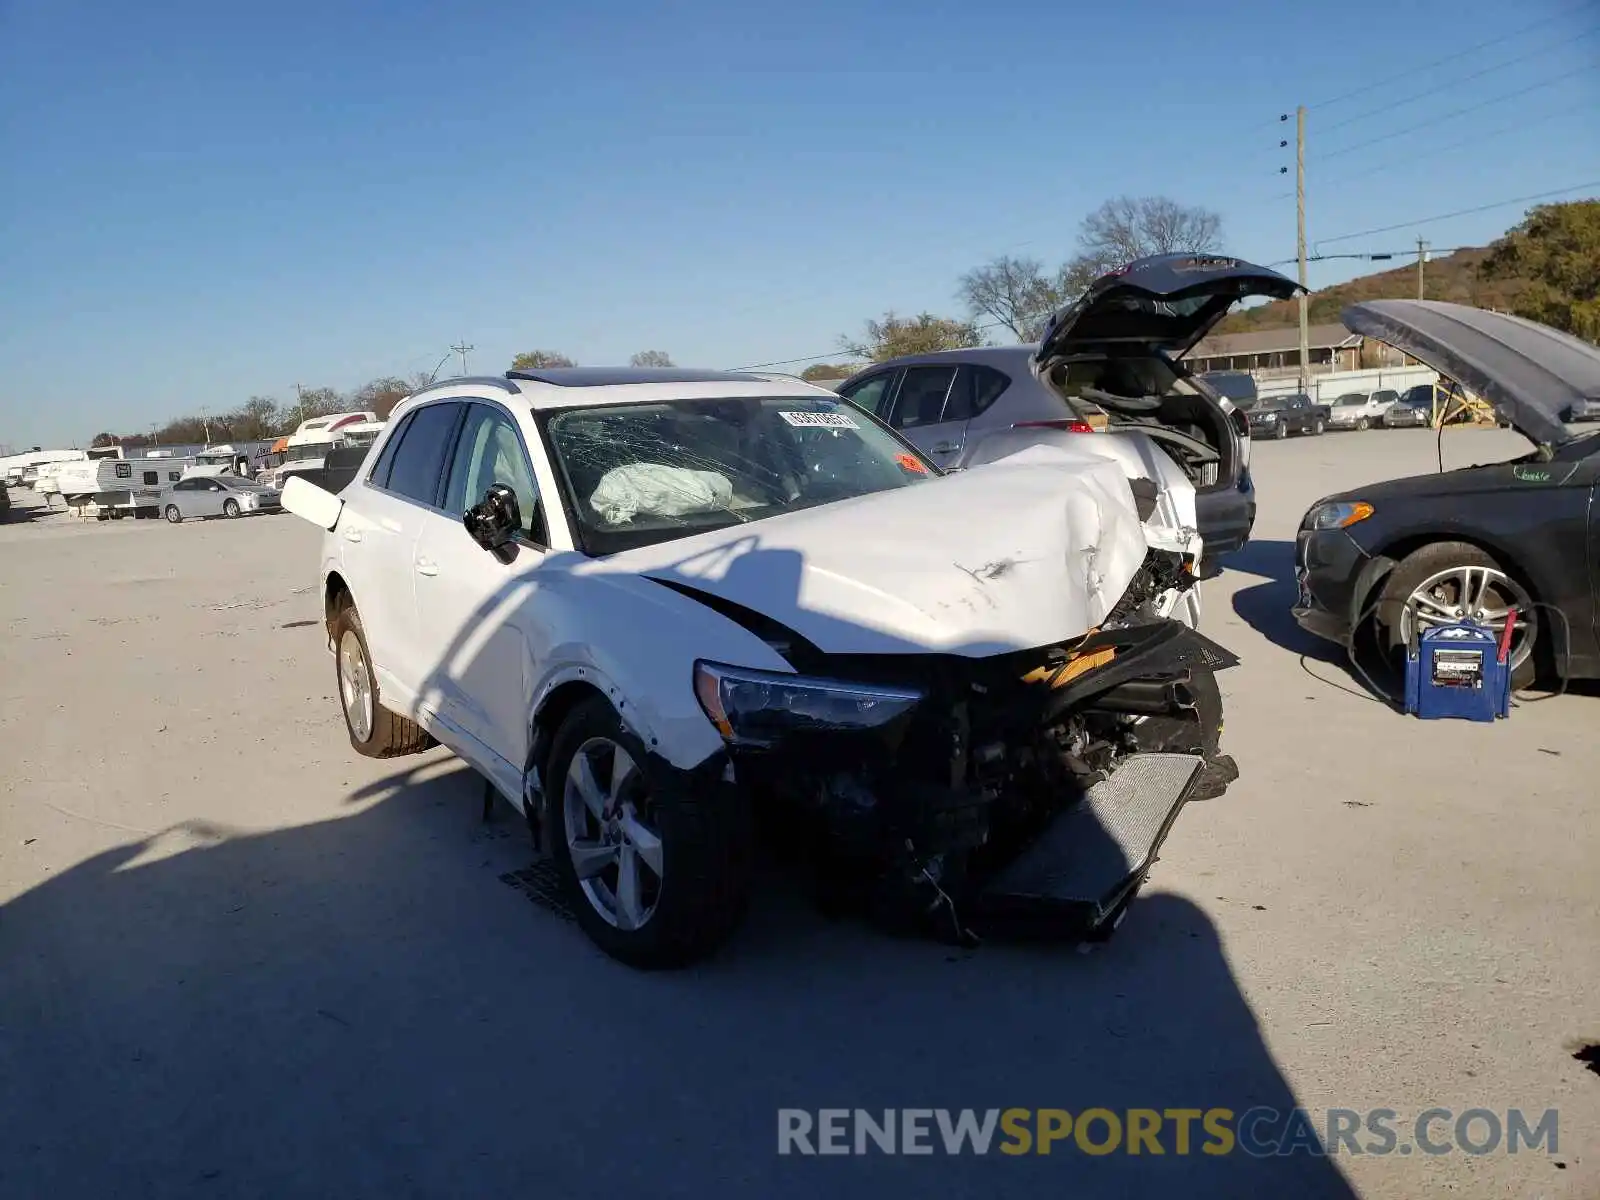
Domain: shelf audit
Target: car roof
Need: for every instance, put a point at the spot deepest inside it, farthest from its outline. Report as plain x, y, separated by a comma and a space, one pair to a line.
578, 387
1004, 358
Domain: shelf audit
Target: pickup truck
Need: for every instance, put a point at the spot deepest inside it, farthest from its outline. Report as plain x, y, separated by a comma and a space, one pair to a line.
1279, 416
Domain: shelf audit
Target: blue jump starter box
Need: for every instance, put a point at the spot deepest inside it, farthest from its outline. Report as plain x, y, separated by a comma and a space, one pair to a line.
1455, 671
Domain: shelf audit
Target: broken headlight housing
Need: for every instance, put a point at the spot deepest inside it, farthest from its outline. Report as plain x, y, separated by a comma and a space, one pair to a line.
759, 708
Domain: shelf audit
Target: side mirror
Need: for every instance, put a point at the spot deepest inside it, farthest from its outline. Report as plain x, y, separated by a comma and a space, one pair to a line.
495, 520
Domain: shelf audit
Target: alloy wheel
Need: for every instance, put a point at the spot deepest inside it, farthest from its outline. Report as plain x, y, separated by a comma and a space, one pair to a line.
355, 686
615, 851
1472, 593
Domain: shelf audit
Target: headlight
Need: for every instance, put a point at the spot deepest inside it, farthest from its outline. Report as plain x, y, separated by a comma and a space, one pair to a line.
1337, 515
756, 708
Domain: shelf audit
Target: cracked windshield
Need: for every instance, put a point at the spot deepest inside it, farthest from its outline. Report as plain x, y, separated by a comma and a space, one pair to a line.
645, 473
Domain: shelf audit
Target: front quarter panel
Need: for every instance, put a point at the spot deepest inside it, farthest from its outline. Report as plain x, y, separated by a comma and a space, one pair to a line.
637, 642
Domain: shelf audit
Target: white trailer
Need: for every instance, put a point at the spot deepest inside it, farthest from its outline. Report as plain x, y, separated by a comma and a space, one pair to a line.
23, 469
112, 488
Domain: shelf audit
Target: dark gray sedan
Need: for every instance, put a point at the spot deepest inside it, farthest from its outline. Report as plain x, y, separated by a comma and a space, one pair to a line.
217, 496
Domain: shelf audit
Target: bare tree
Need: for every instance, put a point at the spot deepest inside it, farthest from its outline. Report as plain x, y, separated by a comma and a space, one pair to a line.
258, 417
893, 336
1130, 227
651, 358
533, 360
381, 395
1016, 292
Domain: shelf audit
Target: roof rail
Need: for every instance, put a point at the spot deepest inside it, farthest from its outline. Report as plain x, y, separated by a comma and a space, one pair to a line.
503, 382
613, 376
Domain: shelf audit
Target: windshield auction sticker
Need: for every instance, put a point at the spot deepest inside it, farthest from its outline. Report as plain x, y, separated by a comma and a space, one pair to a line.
822, 420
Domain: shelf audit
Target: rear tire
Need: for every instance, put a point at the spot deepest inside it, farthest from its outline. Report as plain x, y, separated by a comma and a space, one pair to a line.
704, 840
173, 515
374, 731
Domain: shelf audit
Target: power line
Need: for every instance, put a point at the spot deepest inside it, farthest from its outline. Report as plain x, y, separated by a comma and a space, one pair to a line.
1458, 80
1521, 125
1373, 255
1459, 54
1464, 212
1459, 112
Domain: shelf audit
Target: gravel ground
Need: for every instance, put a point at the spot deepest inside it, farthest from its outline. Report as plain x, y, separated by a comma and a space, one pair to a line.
238, 960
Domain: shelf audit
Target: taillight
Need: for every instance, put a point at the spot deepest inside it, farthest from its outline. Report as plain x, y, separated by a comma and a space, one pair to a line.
1068, 426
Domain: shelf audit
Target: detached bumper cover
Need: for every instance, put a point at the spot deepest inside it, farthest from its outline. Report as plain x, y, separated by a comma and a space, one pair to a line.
1092, 858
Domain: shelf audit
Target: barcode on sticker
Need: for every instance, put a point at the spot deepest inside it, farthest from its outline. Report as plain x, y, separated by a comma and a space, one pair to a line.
822, 419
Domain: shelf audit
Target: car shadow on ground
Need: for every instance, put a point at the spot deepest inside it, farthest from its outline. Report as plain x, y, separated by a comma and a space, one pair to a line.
363, 1007
1267, 607
360, 1008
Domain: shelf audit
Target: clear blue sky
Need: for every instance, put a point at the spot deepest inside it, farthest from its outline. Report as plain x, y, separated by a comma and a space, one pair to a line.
208, 201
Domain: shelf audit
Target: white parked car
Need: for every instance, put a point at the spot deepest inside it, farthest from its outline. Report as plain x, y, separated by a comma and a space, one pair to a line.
1360, 410
657, 608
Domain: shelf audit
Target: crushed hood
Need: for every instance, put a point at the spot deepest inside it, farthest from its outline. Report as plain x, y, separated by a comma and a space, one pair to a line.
1025, 552
1529, 372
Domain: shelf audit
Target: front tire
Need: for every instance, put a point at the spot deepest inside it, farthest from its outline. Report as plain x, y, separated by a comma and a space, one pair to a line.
658, 872
1318, 428
1451, 581
230, 509
374, 731
1281, 432
173, 516
1363, 424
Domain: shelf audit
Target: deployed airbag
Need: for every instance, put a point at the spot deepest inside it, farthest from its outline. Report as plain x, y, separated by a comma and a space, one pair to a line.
657, 490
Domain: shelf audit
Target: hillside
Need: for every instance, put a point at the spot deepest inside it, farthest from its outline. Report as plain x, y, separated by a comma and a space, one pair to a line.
1452, 277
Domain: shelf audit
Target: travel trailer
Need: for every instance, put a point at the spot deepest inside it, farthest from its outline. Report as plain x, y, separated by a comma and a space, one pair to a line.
111, 488
306, 449
22, 469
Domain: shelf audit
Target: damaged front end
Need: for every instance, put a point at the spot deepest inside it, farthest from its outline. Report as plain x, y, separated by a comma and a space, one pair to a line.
1028, 790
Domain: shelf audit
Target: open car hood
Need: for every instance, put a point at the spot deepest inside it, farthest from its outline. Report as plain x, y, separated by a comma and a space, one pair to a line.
1529, 372
1024, 552
1166, 302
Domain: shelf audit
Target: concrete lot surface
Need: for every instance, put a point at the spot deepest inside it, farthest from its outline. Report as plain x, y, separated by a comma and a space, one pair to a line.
238, 960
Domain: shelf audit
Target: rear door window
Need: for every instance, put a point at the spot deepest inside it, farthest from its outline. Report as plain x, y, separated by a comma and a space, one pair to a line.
976, 389
417, 470
380, 469
922, 396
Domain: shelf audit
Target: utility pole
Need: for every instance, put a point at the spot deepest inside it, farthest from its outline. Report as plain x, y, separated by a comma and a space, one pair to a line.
1300, 243
299, 403
461, 348
1422, 257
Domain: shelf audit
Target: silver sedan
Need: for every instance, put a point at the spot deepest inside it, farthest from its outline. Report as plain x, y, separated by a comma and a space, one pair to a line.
217, 496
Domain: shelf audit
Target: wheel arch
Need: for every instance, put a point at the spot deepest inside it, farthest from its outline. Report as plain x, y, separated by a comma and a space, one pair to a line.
1398, 549
335, 592
548, 716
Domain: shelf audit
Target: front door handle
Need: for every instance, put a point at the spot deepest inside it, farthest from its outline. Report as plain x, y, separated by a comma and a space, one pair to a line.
352, 535
426, 566
946, 448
